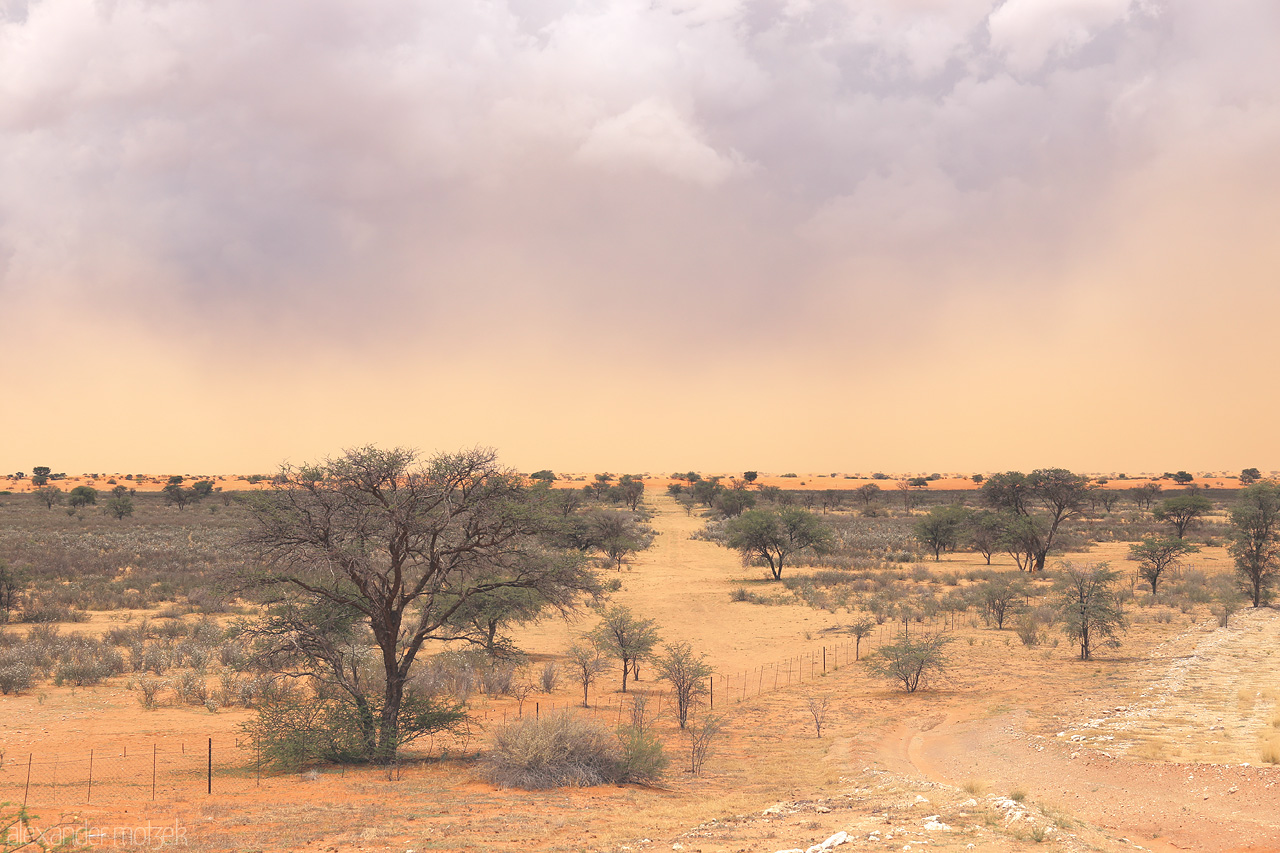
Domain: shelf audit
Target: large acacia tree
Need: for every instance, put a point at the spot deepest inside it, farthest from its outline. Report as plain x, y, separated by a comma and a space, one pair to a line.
775, 537
368, 556
1045, 498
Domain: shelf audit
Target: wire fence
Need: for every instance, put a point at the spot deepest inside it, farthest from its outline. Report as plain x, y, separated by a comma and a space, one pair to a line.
104, 774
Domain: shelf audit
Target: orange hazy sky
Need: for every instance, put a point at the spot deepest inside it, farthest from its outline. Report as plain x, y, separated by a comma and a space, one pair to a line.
805, 235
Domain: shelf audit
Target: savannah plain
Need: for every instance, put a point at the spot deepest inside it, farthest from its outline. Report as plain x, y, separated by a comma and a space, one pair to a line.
1169, 741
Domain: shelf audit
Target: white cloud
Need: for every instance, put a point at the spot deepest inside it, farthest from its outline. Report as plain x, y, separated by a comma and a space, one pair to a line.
653, 134
1031, 32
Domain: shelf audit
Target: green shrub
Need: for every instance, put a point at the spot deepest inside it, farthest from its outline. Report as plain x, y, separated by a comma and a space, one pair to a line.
294, 730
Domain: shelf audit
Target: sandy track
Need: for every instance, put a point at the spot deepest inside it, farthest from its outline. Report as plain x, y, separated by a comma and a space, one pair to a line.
1190, 806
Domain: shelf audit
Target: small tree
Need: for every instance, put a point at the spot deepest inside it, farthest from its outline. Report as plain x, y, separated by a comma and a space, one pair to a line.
775, 537
1156, 554
860, 630
586, 662
49, 495
627, 637
941, 529
911, 662
701, 737
40, 475
1182, 511
1255, 543
687, 673
1249, 476
868, 495
1001, 598
1145, 495
984, 530
175, 495
12, 584
1091, 613
818, 706
734, 502
82, 496
119, 506
618, 535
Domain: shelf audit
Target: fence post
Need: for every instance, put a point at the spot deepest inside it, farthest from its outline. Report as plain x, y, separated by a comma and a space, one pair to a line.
154, 750
88, 795
27, 789
824, 660
713, 694
210, 776
259, 754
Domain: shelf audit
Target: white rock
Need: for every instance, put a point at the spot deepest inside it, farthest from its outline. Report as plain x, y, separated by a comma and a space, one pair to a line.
677, 846
836, 840
920, 799
936, 826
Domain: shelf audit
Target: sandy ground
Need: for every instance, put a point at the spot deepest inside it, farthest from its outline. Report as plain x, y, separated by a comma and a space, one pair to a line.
1016, 748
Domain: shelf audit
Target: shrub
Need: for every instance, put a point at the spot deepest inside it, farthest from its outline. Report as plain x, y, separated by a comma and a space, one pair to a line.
148, 688
912, 660
550, 677
294, 729
565, 749
192, 688
15, 676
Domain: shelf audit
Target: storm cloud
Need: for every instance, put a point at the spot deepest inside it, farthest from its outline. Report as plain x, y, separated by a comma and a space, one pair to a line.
748, 188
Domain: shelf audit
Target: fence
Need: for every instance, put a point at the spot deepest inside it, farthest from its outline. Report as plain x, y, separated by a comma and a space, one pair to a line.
143, 773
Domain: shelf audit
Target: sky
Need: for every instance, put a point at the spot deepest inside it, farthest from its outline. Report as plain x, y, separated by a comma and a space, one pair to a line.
641, 235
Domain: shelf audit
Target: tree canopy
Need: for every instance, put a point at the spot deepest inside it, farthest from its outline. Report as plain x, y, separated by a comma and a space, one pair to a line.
774, 537
378, 548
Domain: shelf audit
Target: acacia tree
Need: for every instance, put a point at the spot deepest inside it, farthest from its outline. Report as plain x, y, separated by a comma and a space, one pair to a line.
775, 537
627, 637
1255, 543
1156, 554
1182, 511
867, 494
984, 530
860, 630
1048, 496
911, 661
369, 556
1091, 613
586, 662
942, 528
617, 535
12, 584
1001, 598
82, 496
49, 495
1145, 495
687, 671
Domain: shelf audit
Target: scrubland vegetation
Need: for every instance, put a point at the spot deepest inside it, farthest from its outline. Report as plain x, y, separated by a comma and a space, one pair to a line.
360, 606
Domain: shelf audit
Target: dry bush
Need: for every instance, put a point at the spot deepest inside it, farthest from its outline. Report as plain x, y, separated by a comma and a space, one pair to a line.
148, 688
701, 736
550, 677
819, 706
557, 750
191, 688
498, 679
16, 674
